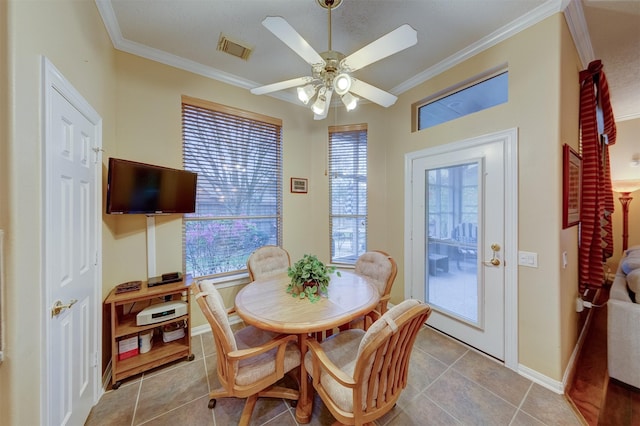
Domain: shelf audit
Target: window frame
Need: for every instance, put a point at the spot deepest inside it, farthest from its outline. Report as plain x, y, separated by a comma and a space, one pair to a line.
242, 116
451, 90
333, 130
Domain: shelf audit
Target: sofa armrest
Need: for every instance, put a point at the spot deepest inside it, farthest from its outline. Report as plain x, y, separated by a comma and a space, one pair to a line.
623, 341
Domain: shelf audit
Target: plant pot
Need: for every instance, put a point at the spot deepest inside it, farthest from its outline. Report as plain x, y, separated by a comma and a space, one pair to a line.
297, 289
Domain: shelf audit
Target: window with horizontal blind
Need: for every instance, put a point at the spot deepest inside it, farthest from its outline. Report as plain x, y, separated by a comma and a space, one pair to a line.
348, 192
238, 158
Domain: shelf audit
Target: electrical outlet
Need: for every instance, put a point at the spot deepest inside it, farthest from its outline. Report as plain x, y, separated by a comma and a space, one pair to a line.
579, 305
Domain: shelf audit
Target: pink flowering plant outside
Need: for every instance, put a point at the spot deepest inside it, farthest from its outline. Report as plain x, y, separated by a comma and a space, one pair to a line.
309, 278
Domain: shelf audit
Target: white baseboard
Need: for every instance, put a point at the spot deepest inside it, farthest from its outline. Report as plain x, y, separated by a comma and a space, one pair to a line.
201, 329
541, 379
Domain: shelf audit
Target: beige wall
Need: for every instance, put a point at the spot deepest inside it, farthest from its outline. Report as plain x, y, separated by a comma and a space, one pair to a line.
536, 73
71, 34
139, 101
149, 130
627, 145
569, 95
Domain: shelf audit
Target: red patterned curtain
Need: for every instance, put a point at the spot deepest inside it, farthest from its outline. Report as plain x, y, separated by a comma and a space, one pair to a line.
598, 132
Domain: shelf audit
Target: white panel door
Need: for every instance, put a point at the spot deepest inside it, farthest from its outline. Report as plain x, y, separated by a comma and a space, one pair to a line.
458, 242
71, 259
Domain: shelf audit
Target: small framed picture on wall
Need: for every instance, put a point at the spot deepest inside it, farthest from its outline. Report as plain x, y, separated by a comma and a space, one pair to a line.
299, 185
571, 187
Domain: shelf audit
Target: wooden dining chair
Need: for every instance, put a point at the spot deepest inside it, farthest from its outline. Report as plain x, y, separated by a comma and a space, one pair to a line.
360, 374
268, 261
249, 361
381, 270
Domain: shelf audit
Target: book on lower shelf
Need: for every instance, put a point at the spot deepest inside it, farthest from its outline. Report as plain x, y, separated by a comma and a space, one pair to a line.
128, 347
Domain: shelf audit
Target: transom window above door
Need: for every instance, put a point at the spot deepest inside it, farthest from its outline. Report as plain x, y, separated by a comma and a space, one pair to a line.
463, 99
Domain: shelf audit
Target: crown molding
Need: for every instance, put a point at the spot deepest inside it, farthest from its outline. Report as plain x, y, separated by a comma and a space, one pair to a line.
574, 15
538, 14
572, 10
627, 117
156, 55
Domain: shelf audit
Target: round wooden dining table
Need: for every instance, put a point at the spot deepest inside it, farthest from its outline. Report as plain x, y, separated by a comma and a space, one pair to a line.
266, 304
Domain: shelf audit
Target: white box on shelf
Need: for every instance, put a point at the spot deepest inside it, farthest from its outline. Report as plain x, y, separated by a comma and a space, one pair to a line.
127, 347
171, 332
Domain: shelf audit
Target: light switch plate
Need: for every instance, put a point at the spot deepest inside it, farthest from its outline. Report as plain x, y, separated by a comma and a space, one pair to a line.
526, 258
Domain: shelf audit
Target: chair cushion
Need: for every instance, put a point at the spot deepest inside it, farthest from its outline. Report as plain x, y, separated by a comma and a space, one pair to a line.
341, 349
386, 321
631, 261
216, 305
268, 261
633, 284
344, 349
376, 266
380, 324
252, 369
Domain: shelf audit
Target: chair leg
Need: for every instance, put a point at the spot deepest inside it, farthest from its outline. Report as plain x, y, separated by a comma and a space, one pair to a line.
245, 417
279, 392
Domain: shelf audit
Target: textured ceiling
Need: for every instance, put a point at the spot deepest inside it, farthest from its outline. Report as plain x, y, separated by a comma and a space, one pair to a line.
184, 33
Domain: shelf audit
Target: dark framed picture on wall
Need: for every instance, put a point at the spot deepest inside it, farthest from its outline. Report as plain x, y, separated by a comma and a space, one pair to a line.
571, 187
299, 185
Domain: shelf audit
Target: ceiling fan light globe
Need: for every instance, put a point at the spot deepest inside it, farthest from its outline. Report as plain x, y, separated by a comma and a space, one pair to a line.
342, 83
318, 106
350, 102
305, 93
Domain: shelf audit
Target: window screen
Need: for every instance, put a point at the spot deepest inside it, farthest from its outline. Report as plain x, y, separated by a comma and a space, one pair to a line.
238, 158
348, 192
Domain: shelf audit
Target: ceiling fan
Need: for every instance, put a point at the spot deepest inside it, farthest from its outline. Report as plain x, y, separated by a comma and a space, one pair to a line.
331, 70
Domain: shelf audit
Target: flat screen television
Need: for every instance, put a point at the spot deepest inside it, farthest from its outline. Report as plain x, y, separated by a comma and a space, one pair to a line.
139, 188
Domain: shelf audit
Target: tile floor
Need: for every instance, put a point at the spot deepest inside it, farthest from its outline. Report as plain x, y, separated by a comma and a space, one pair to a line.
449, 384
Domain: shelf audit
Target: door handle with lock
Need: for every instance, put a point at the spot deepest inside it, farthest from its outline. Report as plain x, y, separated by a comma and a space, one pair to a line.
494, 261
59, 307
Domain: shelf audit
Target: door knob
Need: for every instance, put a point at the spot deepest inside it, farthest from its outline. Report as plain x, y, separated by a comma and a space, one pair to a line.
494, 261
59, 307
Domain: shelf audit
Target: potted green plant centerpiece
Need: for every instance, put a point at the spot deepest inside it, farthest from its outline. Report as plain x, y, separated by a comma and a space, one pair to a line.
309, 278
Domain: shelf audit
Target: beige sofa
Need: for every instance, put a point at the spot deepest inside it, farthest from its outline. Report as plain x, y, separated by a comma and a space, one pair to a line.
623, 322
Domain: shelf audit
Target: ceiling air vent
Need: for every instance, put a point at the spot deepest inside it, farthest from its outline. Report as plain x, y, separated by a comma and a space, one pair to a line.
232, 47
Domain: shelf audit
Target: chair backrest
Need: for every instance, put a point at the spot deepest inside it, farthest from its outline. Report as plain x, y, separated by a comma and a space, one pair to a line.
382, 362
268, 261
465, 233
380, 268
212, 306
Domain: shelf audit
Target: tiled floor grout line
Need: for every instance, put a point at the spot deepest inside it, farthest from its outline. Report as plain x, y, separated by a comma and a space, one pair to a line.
143, 377
449, 371
424, 391
452, 367
519, 407
135, 406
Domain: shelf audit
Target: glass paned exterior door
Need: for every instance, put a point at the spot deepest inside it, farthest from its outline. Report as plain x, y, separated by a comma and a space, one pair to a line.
451, 224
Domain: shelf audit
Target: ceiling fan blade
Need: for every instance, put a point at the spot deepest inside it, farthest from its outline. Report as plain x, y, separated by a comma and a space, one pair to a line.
399, 39
289, 36
372, 93
281, 85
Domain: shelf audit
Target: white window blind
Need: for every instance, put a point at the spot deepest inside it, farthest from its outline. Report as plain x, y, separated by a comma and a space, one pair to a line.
348, 192
238, 158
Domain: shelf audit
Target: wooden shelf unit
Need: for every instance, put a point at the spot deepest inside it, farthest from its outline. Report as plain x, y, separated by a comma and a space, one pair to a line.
124, 308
